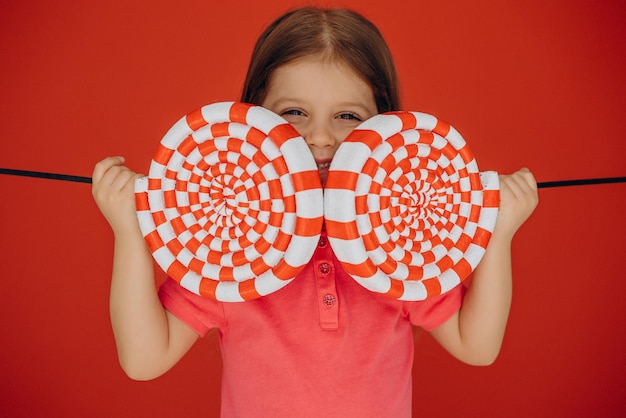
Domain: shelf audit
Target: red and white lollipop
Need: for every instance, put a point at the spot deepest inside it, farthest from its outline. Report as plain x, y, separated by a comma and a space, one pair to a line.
232, 205
407, 212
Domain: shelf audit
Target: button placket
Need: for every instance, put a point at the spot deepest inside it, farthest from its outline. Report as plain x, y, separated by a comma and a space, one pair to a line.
325, 284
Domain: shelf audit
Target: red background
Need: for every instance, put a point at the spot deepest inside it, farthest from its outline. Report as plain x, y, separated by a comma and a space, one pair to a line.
534, 83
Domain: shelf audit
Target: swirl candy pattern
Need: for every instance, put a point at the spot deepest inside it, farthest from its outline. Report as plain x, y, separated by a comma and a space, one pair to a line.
406, 210
232, 205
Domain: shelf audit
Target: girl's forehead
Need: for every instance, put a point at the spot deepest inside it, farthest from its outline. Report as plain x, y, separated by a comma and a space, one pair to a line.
317, 65
317, 81
324, 59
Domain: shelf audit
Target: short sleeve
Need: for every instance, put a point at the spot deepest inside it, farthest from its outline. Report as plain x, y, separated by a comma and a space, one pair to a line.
433, 312
199, 313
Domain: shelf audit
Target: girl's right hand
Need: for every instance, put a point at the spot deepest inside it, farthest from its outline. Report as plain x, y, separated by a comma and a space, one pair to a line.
113, 189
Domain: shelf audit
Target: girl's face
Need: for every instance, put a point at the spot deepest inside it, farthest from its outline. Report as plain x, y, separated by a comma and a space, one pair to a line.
324, 100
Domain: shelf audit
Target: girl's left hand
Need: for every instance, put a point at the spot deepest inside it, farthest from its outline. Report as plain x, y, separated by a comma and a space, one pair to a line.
518, 199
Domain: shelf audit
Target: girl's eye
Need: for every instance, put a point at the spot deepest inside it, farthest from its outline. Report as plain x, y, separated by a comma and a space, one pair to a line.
349, 116
294, 112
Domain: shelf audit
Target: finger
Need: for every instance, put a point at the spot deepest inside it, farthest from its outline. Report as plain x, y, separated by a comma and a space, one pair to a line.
528, 177
521, 183
522, 188
111, 182
103, 166
509, 186
118, 178
133, 179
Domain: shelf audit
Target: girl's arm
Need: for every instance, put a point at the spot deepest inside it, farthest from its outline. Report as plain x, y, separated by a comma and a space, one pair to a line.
474, 334
149, 339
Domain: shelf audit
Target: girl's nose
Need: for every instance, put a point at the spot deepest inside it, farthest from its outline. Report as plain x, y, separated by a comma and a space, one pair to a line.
320, 137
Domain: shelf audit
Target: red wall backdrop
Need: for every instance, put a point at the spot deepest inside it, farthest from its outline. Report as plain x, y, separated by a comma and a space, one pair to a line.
534, 83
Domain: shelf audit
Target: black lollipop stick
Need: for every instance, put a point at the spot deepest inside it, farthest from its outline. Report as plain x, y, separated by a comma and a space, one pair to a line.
580, 182
43, 175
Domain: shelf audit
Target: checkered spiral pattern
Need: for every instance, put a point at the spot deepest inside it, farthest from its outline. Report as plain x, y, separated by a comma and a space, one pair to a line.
232, 205
407, 212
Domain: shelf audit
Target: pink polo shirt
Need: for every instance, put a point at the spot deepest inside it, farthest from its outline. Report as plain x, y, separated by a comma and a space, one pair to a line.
322, 346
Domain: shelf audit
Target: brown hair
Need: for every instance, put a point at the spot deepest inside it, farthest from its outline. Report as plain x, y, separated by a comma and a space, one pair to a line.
335, 33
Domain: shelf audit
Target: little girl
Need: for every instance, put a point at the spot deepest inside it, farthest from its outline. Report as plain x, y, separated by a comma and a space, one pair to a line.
323, 345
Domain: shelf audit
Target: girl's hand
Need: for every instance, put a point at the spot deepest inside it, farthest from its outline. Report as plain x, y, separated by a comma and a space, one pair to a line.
518, 199
113, 189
